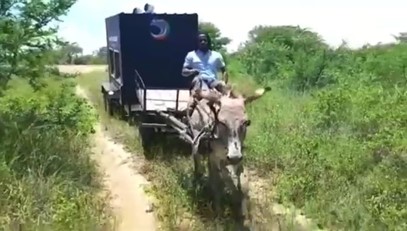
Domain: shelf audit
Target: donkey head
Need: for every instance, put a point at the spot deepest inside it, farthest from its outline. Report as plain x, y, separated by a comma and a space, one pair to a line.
231, 120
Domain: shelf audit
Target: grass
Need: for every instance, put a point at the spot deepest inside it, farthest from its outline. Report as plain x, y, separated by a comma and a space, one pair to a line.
336, 150
48, 180
335, 153
181, 207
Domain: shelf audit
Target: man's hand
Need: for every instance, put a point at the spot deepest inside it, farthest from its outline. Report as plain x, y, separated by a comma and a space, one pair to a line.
194, 72
225, 76
190, 72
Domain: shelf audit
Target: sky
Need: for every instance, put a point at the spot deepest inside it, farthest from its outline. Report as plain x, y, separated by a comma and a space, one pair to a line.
356, 21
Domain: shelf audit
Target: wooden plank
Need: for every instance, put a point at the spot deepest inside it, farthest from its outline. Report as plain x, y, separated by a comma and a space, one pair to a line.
163, 100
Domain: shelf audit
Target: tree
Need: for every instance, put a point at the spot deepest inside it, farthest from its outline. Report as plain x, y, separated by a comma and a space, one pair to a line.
218, 42
101, 52
67, 52
100, 55
72, 50
284, 52
402, 37
27, 37
285, 35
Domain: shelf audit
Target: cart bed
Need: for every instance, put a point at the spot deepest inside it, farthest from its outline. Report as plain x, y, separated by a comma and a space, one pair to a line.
164, 100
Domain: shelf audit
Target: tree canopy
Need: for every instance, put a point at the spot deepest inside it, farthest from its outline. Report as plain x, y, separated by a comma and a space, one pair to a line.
27, 37
219, 42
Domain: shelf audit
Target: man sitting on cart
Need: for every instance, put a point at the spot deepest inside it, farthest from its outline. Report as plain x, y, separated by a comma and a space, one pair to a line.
203, 65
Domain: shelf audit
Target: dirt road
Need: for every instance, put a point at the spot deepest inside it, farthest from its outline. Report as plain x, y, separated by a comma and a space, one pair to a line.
81, 68
130, 203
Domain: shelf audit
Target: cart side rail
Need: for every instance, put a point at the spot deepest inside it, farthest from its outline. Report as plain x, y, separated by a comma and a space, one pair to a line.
160, 99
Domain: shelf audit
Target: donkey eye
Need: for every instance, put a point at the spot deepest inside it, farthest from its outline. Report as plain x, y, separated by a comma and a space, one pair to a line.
222, 126
222, 132
247, 123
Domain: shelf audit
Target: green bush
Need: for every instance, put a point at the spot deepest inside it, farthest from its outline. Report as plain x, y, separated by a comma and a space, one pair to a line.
48, 179
334, 130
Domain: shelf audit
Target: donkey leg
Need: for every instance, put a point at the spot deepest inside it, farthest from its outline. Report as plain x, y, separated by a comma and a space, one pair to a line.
216, 188
198, 169
217, 193
244, 210
240, 196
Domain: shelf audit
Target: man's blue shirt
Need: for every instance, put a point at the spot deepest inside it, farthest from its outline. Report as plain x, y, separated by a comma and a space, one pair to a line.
208, 64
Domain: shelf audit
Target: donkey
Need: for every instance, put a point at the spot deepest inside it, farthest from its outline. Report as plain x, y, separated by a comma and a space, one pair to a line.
225, 114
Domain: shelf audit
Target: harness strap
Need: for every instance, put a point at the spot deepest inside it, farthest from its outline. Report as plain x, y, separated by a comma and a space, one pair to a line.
207, 129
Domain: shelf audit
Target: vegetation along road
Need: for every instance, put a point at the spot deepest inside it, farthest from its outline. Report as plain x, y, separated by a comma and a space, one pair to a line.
326, 148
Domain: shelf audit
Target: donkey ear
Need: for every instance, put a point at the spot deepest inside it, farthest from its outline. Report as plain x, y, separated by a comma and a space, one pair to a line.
233, 94
213, 109
257, 94
248, 123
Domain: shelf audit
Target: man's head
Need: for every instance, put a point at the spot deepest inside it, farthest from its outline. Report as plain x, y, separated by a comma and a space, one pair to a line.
204, 41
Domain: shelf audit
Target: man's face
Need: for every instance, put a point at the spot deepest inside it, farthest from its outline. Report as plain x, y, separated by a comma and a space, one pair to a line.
203, 42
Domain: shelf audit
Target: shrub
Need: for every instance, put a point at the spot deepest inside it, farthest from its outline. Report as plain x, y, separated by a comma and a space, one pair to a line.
48, 179
334, 128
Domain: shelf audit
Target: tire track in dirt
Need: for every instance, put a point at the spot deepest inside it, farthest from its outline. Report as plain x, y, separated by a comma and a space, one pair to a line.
130, 204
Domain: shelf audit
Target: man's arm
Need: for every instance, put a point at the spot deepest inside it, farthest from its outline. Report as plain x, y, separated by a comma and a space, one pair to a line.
222, 67
187, 70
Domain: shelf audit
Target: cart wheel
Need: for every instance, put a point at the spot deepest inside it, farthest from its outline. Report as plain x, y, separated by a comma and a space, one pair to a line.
108, 105
147, 136
105, 101
131, 120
